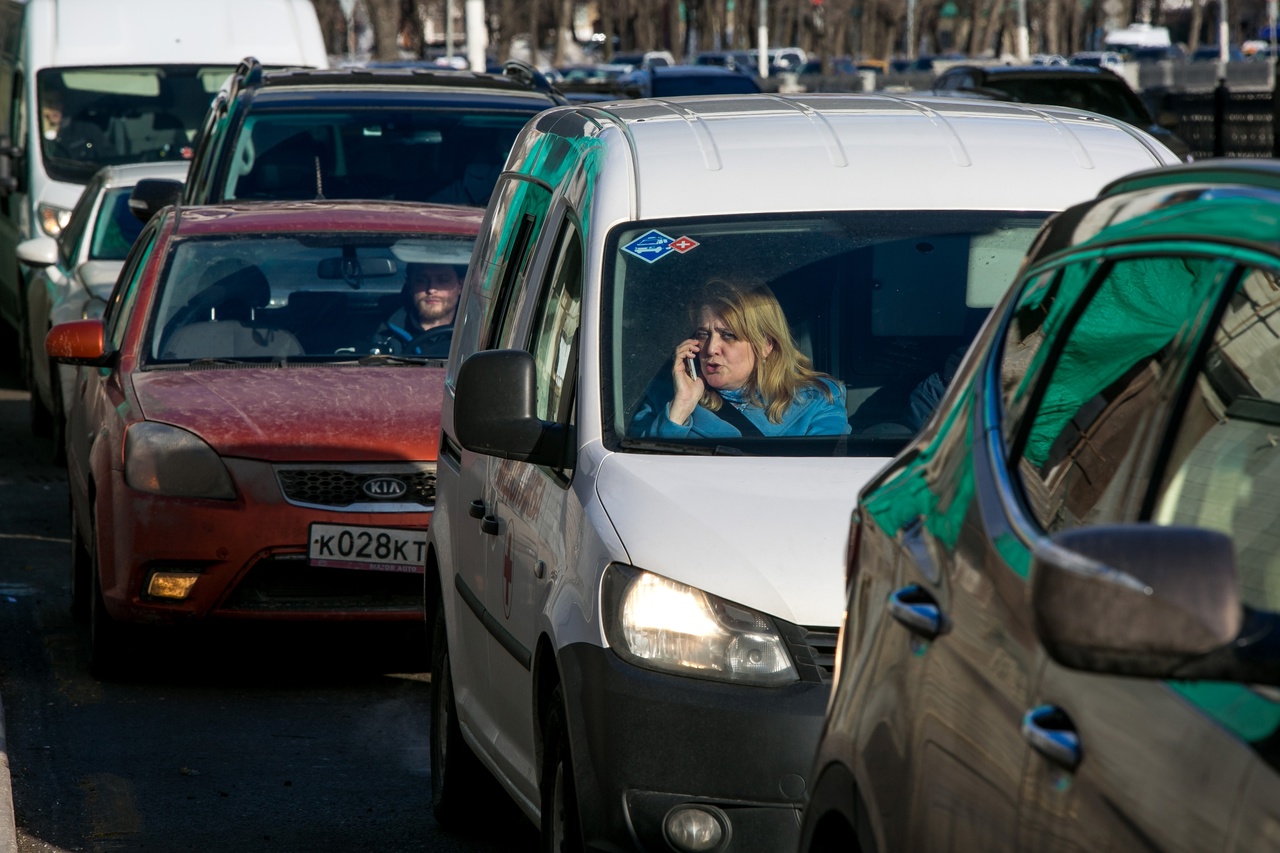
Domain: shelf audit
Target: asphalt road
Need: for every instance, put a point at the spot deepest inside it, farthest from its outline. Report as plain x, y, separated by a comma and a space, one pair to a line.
229, 739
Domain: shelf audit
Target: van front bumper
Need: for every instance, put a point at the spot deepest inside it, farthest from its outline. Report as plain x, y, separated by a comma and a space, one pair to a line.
645, 742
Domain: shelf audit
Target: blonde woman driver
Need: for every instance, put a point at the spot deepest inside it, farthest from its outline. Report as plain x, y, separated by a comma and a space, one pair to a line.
741, 374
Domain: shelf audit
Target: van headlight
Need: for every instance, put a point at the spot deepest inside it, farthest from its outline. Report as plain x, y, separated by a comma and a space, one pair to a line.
165, 460
655, 622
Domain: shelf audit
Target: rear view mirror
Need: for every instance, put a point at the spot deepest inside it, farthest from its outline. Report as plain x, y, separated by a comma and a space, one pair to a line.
77, 342
495, 410
149, 195
1137, 599
355, 269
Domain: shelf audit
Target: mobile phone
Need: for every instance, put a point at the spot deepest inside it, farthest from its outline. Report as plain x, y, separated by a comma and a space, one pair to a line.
691, 364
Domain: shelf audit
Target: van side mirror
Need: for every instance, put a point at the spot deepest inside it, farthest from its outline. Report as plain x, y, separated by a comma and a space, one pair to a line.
1135, 599
149, 195
77, 342
495, 410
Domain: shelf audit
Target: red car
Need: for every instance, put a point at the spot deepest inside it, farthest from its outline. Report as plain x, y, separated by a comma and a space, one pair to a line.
252, 433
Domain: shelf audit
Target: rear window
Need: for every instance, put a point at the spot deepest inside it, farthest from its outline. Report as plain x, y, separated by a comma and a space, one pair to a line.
880, 306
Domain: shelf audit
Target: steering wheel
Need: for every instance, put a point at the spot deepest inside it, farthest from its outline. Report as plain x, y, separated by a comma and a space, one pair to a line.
433, 343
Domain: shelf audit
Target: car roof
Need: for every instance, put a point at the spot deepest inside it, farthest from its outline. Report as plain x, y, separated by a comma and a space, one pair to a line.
351, 85
339, 215
693, 71
1060, 71
1229, 200
857, 151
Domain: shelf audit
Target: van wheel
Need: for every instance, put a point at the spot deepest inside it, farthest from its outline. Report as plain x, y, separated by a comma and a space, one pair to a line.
455, 770
561, 830
81, 575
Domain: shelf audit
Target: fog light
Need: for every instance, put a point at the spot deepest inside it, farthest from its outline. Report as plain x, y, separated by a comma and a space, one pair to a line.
695, 828
176, 585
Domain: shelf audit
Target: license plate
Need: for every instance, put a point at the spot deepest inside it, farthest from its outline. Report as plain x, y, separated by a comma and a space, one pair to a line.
381, 549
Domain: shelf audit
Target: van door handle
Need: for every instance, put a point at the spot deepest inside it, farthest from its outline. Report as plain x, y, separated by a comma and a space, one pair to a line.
489, 524
477, 509
917, 610
1051, 733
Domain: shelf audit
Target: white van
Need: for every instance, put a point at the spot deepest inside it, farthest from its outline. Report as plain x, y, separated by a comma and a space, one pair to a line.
634, 613
92, 83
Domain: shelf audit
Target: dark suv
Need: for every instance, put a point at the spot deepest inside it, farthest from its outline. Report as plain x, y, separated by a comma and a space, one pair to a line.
1098, 90
405, 134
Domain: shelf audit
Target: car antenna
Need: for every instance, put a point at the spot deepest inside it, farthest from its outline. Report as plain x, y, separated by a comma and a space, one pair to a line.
319, 181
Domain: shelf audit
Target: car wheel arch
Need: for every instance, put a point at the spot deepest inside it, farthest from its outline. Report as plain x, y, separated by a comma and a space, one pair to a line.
836, 815
546, 677
432, 593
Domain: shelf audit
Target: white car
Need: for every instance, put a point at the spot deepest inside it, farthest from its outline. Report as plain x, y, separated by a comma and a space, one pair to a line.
73, 277
634, 611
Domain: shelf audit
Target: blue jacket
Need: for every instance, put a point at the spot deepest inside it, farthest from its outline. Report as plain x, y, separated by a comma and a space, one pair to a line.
810, 414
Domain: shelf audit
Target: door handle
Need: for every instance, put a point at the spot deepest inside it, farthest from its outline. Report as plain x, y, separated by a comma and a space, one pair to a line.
917, 610
1052, 734
477, 509
489, 524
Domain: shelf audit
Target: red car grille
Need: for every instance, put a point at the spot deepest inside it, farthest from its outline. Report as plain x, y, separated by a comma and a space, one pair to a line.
337, 487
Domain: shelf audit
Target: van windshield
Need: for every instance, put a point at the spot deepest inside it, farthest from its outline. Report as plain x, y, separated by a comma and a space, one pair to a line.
95, 117
828, 335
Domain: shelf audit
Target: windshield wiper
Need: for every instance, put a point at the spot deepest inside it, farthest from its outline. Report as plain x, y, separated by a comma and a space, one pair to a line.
651, 446
388, 358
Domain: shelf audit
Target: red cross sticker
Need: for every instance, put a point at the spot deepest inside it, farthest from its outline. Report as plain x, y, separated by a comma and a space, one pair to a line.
684, 244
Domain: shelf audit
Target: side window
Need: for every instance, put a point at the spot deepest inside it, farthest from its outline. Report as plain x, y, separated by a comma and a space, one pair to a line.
206, 140
73, 233
555, 329
126, 292
1099, 386
1224, 467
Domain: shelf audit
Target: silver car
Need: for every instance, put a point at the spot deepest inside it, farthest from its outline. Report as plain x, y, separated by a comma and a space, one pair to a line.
74, 276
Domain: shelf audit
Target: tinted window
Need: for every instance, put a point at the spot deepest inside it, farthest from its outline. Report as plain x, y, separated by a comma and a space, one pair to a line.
437, 155
1098, 386
116, 227
1224, 472
1108, 96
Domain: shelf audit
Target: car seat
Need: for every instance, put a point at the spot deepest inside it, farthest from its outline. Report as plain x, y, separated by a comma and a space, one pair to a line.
220, 321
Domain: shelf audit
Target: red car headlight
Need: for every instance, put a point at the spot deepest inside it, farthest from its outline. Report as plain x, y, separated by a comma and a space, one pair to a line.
164, 460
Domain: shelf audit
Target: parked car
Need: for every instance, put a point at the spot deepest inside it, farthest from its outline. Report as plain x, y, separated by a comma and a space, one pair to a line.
1099, 90
684, 80
734, 60
633, 616
644, 58
404, 134
239, 444
1098, 59
73, 277
1062, 595
1211, 53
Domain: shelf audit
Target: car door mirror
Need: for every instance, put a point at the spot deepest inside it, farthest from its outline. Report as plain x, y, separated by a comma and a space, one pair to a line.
149, 195
495, 410
38, 252
1136, 599
77, 342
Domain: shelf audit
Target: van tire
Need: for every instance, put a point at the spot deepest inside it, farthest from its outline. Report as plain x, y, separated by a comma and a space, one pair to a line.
561, 828
455, 770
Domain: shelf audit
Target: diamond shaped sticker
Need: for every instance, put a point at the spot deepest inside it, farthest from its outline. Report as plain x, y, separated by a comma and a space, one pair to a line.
650, 246
684, 244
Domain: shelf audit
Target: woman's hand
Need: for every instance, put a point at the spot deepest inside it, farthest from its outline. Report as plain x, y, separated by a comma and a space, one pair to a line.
689, 389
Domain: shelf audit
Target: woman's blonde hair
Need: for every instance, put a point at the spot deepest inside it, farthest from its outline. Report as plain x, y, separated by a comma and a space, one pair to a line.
752, 313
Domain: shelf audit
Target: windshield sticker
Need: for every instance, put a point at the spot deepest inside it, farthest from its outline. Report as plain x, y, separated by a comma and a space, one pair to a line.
655, 245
